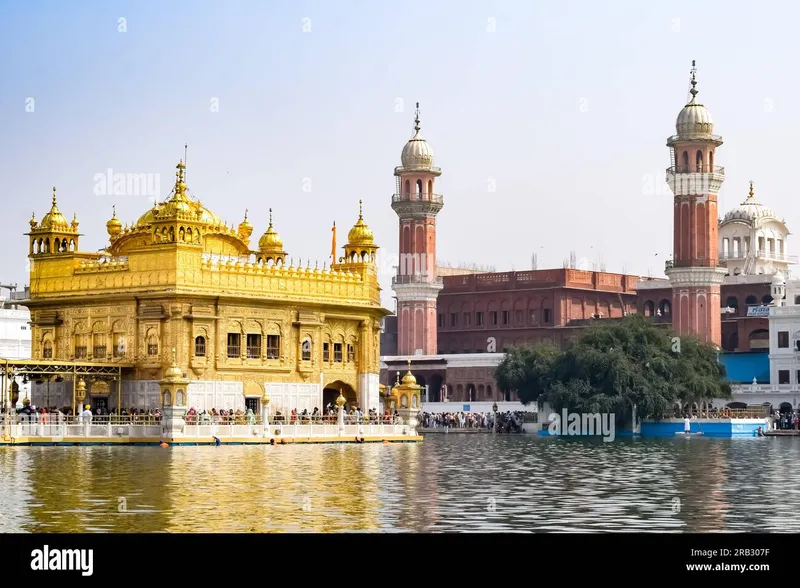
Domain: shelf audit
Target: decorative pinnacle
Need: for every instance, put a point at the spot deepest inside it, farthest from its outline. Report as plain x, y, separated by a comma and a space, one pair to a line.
694, 90
360, 210
409, 364
270, 217
751, 189
54, 195
416, 118
114, 209
245, 214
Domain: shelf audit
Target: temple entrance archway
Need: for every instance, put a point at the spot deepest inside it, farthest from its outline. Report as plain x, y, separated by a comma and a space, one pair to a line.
331, 392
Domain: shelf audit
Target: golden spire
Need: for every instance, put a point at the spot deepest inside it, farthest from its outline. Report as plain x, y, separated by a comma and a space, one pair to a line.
416, 119
74, 223
245, 228
360, 209
409, 379
33, 220
54, 196
752, 193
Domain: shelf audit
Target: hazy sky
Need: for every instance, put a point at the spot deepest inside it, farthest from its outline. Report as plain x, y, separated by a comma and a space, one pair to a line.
549, 120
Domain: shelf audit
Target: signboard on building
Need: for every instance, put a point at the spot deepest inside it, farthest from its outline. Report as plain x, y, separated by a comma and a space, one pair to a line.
758, 311
466, 408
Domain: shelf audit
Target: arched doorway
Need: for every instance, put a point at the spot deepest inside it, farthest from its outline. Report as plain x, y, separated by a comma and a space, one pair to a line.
736, 405
785, 407
435, 389
331, 392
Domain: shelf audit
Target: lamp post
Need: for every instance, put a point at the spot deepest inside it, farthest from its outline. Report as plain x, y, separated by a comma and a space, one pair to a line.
340, 407
494, 410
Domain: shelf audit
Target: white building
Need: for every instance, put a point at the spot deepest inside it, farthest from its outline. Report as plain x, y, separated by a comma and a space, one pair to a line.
15, 337
752, 240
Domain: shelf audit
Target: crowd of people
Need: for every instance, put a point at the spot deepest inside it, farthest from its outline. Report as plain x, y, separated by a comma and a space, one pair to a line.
507, 422
100, 415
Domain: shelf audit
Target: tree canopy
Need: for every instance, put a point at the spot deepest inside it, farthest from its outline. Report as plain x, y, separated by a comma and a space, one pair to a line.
614, 366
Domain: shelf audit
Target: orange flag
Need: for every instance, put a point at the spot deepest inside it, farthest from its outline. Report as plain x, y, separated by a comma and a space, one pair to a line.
333, 242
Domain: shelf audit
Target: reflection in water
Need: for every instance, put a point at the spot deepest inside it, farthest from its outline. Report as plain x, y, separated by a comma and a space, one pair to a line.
449, 483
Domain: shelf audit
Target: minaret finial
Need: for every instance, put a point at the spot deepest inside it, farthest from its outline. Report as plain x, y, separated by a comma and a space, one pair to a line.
114, 209
409, 365
54, 195
694, 90
360, 210
245, 214
752, 193
270, 217
416, 118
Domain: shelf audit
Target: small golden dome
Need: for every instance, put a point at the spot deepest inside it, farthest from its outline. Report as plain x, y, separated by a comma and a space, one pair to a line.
270, 241
54, 220
245, 228
340, 401
409, 380
114, 226
360, 234
33, 220
174, 372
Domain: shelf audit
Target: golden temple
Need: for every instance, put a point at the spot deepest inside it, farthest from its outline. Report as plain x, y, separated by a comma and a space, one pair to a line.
244, 323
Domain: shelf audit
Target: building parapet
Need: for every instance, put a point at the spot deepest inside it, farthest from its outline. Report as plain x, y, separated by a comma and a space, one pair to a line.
523, 280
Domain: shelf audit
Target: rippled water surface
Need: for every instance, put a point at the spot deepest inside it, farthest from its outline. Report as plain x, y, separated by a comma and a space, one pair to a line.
449, 483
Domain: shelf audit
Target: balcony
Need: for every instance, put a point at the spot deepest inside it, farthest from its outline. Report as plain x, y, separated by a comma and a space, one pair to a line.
693, 136
763, 255
418, 197
696, 169
417, 279
695, 179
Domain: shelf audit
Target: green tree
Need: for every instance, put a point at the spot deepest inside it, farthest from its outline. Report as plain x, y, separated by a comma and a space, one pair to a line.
614, 367
528, 370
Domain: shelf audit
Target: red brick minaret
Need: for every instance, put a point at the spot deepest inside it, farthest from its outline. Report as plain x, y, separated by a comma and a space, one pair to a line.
417, 284
695, 181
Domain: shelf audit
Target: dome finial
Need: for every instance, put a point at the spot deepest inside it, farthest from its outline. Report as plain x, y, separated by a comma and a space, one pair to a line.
270, 217
114, 211
416, 119
694, 90
360, 210
751, 189
54, 195
245, 214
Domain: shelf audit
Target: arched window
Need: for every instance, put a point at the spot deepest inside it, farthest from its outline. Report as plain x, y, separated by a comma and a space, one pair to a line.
306, 350
488, 391
419, 188
430, 188
699, 160
685, 161
649, 308
767, 299
665, 307
166, 398
179, 398
200, 346
47, 350
407, 189
152, 345
751, 300
797, 299
732, 302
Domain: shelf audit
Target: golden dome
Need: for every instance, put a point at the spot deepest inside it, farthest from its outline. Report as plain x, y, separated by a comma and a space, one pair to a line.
54, 220
409, 379
114, 226
180, 203
360, 234
173, 372
245, 228
340, 401
270, 241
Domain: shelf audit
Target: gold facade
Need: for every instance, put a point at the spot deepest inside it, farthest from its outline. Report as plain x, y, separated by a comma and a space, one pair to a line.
181, 279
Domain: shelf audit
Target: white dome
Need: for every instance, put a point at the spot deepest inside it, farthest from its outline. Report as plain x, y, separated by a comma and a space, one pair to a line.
779, 279
750, 211
694, 119
417, 153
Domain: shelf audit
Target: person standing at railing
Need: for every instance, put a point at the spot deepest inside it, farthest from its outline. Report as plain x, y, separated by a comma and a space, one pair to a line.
86, 419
